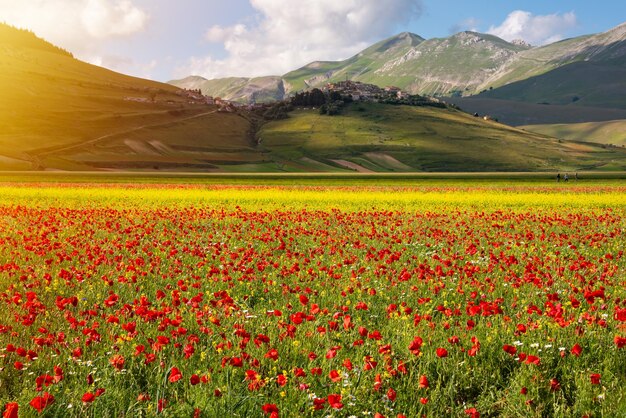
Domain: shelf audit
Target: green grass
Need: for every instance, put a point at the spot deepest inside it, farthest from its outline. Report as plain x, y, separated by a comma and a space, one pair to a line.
610, 132
424, 139
591, 179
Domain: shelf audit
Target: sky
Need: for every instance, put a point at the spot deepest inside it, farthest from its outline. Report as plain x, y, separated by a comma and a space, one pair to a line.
166, 39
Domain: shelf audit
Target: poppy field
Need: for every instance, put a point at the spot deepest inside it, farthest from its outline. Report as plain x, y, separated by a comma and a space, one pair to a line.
456, 300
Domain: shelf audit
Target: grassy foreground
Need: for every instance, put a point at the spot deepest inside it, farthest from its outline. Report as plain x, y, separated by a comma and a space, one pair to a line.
430, 299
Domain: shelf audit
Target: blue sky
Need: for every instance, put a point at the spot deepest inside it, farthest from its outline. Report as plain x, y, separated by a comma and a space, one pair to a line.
165, 39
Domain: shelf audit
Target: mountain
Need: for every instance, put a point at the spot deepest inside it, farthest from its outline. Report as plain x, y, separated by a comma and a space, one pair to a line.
585, 71
577, 80
434, 67
57, 112
360, 67
468, 63
458, 64
607, 48
237, 89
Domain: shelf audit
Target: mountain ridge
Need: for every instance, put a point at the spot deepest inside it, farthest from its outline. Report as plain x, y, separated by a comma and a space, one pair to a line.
463, 64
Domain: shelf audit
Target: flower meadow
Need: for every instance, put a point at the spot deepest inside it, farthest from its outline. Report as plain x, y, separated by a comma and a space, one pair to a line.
244, 301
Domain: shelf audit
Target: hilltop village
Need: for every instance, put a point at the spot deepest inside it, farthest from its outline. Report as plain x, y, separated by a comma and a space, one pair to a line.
329, 99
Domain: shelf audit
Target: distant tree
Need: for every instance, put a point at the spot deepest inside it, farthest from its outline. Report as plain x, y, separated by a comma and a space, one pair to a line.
317, 97
334, 96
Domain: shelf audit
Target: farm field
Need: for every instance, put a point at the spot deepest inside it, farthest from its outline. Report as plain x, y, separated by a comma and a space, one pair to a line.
428, 297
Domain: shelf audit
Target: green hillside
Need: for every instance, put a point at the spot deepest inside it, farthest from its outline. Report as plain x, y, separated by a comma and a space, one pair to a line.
609, 133
377, 137
591, 84
604, 48
57, 112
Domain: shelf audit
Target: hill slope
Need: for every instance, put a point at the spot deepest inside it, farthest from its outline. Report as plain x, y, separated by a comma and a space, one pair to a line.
237, 89
608, 133
377, 137
607, 48
60, 113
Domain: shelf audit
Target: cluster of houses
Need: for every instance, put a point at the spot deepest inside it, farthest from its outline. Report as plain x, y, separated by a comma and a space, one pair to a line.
195, 96
363, 91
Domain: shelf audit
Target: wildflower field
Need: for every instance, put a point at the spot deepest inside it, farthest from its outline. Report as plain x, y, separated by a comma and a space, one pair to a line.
436, 299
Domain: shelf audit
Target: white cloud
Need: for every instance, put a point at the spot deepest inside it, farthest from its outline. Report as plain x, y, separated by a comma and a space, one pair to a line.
537, 30
77, 25
219, 34
286, 34
470, 24
104, 19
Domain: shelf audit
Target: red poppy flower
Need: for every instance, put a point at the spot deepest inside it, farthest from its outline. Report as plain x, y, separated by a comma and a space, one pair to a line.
194, 379
272, 354
532, 360
117, 361
11, 410
472, 412
512, 350
416, 345
595, 378
161, 405
577, 350
318, 403
442, 352
88, 397
175, 375
554, 385
41, 402
269, 408
334, 400
423, 382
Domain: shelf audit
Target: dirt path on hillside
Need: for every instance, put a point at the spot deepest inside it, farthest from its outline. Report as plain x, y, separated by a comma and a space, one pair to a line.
37, 154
